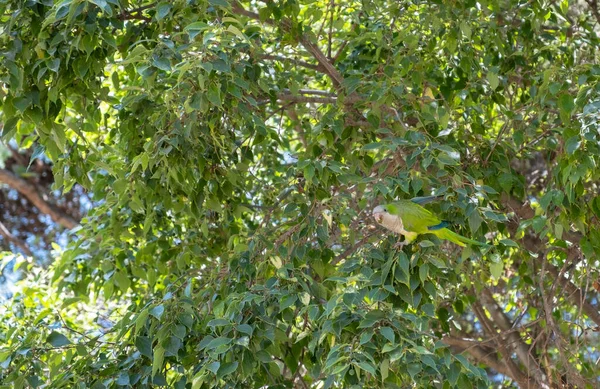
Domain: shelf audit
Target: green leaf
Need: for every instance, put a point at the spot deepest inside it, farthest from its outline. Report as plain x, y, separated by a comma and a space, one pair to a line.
195, 28
214, 95
57, 339
245, 329
144, 345
572, 144
372, 146
466, 30
172, 346
495, 216
103, 5
493, 79
21, 103
384, 368
423, 272
287, 301
388, 333
566, 104
226, 369
414, 369
220, 341
497, 269
53, 64
403, 272
157, 362
220, 3
157, 311
162, 63
81, 350
508, 242
213, 367
426, 243
140, 322
429, 309
123, 379
351, 84
122, 281
366, 336
162, 10
366, 366
218, 323
9, 128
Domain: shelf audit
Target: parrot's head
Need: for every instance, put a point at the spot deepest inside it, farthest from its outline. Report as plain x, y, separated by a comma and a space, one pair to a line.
379, 213
384, 215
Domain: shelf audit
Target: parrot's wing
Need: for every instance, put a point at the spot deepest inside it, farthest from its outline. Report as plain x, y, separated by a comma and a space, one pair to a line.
426, 199
414, 217
443, 224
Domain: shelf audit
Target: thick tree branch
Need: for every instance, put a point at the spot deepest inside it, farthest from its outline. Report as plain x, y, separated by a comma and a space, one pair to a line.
536, 245
30, 192
594, 8
312, 92
511, 367
330, 70
16, 241
572, 375
306, 99
513, 338
323, 97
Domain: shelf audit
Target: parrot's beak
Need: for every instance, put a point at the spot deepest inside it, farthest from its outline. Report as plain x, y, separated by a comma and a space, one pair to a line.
378, 213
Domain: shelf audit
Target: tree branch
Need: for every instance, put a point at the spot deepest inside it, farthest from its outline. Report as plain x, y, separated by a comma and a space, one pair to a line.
297, 126
514, 340
574, 294
312, 92
511, 367
479, 352
16, 241
128, 14
572, 375
312, 48
30, 192
355, 247
536, 245
306, 99
291, 60
594, 7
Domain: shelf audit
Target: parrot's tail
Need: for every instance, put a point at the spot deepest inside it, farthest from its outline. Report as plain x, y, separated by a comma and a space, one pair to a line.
460, 240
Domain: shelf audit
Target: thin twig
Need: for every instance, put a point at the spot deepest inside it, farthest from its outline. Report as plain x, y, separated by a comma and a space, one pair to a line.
504, 127
330, 33
352, 249
291, 60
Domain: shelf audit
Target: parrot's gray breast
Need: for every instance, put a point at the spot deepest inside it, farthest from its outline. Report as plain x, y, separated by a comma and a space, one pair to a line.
393, 223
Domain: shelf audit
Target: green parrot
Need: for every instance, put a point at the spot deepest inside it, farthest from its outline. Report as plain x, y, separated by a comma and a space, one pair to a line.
409, 218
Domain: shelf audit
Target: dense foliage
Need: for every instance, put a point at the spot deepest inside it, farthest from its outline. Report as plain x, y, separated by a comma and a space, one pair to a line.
233, 153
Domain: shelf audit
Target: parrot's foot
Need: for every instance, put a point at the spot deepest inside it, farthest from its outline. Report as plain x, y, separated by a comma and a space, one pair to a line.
399, 245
